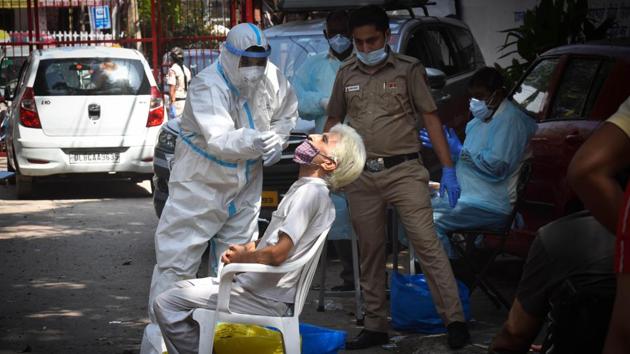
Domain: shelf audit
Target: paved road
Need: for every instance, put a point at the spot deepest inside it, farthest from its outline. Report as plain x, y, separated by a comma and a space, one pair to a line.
75, 267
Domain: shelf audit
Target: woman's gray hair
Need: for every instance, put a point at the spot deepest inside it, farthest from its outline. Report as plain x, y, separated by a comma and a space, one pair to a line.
349, 154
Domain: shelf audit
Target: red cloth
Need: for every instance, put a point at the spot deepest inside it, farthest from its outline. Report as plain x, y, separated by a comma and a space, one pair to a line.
622, 253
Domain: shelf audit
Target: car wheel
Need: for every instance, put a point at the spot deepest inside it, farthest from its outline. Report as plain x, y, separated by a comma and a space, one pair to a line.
23, 185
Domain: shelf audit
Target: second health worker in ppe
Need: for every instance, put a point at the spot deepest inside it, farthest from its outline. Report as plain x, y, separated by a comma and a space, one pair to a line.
238, 115
488, 163
313, 81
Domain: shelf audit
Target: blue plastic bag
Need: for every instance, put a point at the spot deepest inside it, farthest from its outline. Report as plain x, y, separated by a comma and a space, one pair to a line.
319, 340
412, 307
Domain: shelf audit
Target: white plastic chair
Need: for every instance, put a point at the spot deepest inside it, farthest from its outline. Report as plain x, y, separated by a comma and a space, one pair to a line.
288, 325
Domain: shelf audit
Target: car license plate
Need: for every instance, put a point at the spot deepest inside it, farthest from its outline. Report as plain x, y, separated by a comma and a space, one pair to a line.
113, 157
269, 199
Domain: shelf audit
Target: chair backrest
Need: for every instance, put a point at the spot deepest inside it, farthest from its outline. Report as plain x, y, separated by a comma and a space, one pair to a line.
310, 259
521, 184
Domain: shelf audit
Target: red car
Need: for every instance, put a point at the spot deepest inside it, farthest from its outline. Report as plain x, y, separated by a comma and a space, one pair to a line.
570, 91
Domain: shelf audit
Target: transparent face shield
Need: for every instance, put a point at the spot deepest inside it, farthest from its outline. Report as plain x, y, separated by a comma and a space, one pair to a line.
252, 62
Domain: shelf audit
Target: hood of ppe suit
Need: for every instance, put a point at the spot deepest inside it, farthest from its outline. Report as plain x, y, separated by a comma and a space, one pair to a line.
241, 37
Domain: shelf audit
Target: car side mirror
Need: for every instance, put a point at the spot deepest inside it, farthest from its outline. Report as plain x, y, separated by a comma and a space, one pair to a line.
436, 78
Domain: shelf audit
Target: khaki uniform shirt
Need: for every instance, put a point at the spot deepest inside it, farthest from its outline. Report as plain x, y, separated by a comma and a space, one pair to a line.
176, 77
377, 105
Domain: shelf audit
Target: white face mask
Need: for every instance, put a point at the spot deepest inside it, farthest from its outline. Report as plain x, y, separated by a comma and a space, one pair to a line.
252, 74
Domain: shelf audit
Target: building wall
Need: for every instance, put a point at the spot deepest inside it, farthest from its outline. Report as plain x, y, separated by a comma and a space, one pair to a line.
487, 17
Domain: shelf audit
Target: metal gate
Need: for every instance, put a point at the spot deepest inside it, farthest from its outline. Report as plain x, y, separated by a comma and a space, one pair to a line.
150, 26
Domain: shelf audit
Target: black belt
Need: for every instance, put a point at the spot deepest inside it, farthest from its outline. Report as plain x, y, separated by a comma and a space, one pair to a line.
180, 99
381, 163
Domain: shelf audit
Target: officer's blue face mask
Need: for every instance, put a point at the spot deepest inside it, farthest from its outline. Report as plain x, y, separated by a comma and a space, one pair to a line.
339, 43
374, 57
479, 109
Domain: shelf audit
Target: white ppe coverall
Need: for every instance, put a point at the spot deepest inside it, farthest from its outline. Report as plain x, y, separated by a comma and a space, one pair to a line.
216, 178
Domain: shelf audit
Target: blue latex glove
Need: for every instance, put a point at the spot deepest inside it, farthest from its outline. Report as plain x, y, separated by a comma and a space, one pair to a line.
454, 144
449, 184
172, 114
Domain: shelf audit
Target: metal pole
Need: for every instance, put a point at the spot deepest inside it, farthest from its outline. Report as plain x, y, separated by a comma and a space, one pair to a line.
233, 19
249, 11
155, 40
37, 34
29, 18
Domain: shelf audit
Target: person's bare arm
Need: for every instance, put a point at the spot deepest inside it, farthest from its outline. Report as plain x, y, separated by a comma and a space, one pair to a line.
593, 170
171, 92
271, 255
434, 127
330, 122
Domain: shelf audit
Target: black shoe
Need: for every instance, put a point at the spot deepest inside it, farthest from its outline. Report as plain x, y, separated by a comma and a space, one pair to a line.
344, 287
367, 339
458, 335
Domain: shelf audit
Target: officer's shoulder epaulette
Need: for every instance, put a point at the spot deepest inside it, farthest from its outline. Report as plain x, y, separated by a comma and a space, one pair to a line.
407, 58
348, 62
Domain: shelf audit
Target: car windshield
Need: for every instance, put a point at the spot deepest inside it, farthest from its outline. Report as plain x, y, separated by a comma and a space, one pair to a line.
289, 52
90, 77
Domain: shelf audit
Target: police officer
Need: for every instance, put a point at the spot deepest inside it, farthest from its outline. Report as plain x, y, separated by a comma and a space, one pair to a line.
371, 92
177, 79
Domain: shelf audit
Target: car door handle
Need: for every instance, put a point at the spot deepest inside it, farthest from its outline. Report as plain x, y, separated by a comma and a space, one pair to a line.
444, 98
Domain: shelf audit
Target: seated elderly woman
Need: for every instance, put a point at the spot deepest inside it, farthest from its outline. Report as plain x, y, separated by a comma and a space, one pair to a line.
330, 160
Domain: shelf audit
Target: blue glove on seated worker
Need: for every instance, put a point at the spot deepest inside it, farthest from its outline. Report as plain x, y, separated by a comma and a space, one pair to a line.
454, 144
172, 114
450, 184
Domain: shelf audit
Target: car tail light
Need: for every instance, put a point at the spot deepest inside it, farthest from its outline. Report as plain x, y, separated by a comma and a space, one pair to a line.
156, 108
28, 111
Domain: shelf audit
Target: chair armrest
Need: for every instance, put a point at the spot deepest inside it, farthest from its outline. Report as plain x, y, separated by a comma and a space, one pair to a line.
260, 268
228, 272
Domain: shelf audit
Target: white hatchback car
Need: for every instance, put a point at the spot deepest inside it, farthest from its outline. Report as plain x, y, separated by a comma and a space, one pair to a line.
83, 111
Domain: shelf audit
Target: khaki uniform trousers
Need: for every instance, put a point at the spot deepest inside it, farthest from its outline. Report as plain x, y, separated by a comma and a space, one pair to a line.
405, 186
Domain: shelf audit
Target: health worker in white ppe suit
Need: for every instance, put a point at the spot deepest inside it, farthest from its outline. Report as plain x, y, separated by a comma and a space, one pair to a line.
238, 115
